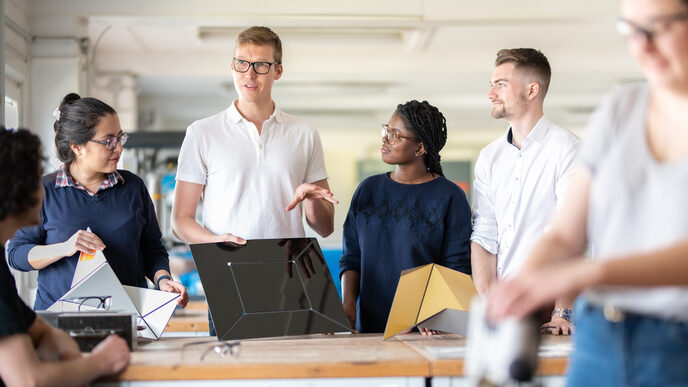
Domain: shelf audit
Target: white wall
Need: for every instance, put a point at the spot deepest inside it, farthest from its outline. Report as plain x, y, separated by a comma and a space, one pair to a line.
51, 79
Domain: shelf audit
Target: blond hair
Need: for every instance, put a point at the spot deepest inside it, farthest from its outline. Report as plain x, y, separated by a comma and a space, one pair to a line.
261, 36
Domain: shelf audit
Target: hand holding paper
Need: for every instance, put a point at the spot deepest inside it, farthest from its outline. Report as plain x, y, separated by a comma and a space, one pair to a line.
85, 241
172, 286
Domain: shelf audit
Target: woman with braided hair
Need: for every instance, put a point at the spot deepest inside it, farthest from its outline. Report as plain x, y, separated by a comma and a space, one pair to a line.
402, 219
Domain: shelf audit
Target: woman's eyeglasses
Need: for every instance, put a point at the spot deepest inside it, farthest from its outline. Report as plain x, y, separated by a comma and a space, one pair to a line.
652, 28
393, 135
111, 142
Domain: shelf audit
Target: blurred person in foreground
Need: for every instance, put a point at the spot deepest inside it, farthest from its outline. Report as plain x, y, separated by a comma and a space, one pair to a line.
628, 199
31, 351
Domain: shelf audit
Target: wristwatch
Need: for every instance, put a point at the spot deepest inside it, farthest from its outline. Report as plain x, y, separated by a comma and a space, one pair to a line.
565, 313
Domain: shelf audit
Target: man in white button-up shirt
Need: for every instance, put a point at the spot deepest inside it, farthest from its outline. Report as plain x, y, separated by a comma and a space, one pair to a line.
522, 176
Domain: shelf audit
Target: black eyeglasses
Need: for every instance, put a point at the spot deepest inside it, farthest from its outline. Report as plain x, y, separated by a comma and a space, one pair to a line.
111, 142
652, 28
92, 302
393, 135
242, 66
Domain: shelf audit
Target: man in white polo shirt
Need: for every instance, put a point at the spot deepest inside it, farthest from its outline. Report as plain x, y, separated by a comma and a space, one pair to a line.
253, 164
521, 177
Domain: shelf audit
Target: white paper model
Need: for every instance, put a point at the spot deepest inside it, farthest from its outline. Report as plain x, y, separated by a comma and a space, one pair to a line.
94, 277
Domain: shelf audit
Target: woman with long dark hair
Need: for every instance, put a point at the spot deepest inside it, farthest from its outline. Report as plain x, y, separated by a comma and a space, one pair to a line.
90, 205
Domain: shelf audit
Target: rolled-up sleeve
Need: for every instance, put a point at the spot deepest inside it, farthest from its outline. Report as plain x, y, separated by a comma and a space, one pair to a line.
484, 219
567, 164
23, 241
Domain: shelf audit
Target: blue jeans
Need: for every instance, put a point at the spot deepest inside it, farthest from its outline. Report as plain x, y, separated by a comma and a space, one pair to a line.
636, 351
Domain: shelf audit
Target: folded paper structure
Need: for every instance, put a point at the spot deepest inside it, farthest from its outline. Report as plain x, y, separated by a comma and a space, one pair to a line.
94, 277
433, 297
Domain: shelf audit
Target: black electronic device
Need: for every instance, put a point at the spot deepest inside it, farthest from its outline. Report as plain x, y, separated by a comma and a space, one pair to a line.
269, 287
90, 328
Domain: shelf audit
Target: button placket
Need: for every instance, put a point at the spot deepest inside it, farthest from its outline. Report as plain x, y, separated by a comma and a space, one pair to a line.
262, 141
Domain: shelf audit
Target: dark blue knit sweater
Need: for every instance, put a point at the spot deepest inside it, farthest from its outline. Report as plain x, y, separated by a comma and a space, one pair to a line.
392, 227
122, 216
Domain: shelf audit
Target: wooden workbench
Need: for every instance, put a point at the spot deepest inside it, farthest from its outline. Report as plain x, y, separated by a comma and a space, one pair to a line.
193, 318
452, 366
312, 356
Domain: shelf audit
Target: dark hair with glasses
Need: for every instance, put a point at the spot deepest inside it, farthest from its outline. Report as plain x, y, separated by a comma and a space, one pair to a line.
261, 36
76, 124
430, 126
529, 60
20, 174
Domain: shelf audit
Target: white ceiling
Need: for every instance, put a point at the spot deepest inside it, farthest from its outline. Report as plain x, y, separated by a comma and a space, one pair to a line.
348, 63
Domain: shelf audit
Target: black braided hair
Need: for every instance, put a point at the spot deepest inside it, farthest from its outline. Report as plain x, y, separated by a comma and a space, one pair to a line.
430, 127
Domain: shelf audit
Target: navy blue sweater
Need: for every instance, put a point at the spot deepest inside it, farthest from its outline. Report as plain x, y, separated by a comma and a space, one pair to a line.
122, 216
392, 227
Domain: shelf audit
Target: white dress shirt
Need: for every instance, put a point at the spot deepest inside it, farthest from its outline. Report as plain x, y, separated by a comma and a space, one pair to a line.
516, 191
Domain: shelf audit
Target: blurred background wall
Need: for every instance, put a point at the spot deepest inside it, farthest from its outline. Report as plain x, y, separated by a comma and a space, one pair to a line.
164, 63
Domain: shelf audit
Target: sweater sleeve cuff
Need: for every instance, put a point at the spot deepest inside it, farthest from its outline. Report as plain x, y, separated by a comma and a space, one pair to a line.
160, 265
19, 257
345, 265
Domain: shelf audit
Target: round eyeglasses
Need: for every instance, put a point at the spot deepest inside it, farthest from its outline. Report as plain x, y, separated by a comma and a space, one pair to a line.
652, 28
393, 135
111, 142
242, 66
